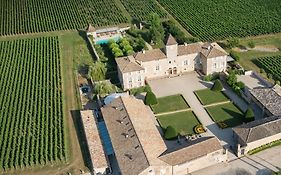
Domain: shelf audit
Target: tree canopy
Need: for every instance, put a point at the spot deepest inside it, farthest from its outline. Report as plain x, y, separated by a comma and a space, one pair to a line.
156, 28
104, 88
217, 85
249, 115
97, 71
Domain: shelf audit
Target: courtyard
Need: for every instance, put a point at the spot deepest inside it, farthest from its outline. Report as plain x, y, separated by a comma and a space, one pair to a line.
186, 85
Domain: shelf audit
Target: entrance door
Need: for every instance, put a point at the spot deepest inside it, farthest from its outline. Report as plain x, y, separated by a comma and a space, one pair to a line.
170, 71
174, 70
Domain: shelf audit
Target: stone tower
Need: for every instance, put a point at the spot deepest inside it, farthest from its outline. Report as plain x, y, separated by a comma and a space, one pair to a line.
171, 47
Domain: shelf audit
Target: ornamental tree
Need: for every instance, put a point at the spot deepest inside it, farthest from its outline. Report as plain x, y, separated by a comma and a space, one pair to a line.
150, 98
249, 115
217, 86
170, 133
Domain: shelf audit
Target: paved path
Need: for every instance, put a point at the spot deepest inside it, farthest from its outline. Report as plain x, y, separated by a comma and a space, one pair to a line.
172, 112
215, 104
185, 85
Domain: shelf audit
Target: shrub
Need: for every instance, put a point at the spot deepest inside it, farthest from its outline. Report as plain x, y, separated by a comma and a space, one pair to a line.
150, 98
277, 82
269, 76
170, 133
217, 86
262, 70
251, 44
232, 42
231, 79
249, 115
234, 55
240, 84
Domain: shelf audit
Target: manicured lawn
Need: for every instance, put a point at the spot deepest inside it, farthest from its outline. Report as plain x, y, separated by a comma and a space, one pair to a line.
207, 96
170, 103
183, 122
227, 113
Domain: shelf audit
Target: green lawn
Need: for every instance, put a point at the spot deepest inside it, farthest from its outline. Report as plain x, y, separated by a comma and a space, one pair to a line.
207, 96
227, 113
170, 103
183, 122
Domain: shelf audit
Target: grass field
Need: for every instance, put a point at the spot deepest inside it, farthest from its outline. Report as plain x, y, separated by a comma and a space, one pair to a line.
207, 96
219, 19
19, 17
170, 103
32, 120
183, 122
226, 113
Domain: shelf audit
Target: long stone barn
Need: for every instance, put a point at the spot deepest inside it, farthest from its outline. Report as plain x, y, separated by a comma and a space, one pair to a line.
140, 149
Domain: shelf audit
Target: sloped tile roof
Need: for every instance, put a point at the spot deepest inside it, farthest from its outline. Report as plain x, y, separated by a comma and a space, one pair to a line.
94, 142
127, 64
91, 28
150, 55
191, 151
270, 98
212, 50
189, 48
259, 129
170, 40
135, 139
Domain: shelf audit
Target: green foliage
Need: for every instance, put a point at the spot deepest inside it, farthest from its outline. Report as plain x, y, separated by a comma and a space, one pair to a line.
97, 71
45, 15
251, 44
232, 42
277, 82
170, 133
156, 29
220, 19
240, 84
32, 115
100, 52
231, 79
211, 77
150, 98
270, 65
104, 88
262, 70
234, 55
217, 85
139, 90
264, 147
249, 115
140, 9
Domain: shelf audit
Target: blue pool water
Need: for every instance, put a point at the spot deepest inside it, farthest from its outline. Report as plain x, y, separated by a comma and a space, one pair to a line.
105, 41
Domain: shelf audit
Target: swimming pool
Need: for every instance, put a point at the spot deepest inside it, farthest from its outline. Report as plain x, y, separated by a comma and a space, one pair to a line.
105, 41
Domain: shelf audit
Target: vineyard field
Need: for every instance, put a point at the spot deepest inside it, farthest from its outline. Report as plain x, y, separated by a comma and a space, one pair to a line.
32, 128
220, 19
272, 65
140, 9
20, 17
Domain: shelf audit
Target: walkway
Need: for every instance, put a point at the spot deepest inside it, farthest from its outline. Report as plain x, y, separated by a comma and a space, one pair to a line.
185, 85
172, 112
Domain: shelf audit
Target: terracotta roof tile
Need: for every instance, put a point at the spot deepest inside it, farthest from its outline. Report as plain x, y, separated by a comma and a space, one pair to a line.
150, 55
170, 40
93, 139
191, 151
127, 64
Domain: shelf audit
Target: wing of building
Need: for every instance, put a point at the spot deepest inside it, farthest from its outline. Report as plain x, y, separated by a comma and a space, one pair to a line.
268, 99
140, 149
257, 133
172, 60
98, 159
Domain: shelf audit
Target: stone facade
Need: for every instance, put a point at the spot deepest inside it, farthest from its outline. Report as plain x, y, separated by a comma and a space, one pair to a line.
172, 60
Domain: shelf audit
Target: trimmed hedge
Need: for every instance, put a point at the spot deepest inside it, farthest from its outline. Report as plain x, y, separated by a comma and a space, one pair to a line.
150, 98
249, 115
170, 133
217, 86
